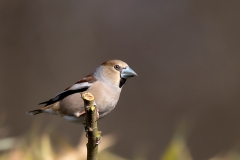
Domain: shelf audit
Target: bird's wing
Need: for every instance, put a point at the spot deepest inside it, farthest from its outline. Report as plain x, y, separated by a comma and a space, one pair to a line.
79, 86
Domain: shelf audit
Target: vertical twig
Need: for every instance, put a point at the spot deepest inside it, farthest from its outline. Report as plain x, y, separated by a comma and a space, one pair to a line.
91, 126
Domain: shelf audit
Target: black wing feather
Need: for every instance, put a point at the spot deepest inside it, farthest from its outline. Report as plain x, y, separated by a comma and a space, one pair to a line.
64, 94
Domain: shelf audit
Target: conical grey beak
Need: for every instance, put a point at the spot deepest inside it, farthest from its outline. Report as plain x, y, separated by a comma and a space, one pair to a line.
127, 73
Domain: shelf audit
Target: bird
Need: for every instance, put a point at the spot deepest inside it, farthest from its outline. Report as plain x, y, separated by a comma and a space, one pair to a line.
105, 84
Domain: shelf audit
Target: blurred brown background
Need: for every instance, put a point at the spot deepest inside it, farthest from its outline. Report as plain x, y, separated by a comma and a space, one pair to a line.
186, 54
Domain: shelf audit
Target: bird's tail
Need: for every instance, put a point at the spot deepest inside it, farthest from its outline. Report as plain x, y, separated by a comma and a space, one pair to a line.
34, 112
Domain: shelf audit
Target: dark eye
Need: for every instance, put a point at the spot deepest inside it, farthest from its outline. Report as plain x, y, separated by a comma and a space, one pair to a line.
117, 67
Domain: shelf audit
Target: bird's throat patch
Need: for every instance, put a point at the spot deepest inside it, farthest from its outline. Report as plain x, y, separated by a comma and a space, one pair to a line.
122, 81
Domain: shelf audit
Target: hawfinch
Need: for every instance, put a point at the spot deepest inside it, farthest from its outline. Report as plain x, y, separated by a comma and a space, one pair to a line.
105, 84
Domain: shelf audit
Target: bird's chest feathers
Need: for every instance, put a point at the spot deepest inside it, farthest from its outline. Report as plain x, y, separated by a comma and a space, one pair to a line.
106, 97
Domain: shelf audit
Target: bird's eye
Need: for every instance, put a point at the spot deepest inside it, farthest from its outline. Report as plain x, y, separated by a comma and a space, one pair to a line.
117, 67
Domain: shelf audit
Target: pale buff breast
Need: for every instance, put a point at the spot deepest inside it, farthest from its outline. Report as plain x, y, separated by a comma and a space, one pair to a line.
106, 99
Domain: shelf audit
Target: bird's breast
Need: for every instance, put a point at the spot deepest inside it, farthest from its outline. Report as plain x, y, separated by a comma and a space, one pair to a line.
106, 98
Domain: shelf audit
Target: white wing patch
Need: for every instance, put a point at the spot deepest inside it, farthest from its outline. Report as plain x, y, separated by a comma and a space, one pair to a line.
79, 85
75, 87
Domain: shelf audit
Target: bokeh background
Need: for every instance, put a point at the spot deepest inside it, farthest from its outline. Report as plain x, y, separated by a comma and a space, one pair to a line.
186, 53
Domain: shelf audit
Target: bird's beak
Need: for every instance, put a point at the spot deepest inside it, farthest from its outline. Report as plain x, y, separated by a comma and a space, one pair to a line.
127, 73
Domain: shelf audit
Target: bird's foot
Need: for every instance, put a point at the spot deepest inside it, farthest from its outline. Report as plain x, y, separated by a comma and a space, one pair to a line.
78, 114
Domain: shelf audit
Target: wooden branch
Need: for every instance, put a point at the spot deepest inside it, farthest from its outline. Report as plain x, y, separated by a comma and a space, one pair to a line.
91, 128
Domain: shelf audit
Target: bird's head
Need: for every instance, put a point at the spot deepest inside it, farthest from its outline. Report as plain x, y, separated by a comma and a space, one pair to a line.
116, 71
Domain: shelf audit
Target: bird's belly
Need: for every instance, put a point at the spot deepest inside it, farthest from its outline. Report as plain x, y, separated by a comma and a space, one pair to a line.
73, 104
105, 111
106, 104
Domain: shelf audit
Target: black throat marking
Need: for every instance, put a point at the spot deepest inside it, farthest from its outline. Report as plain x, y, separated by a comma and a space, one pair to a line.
121, 83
